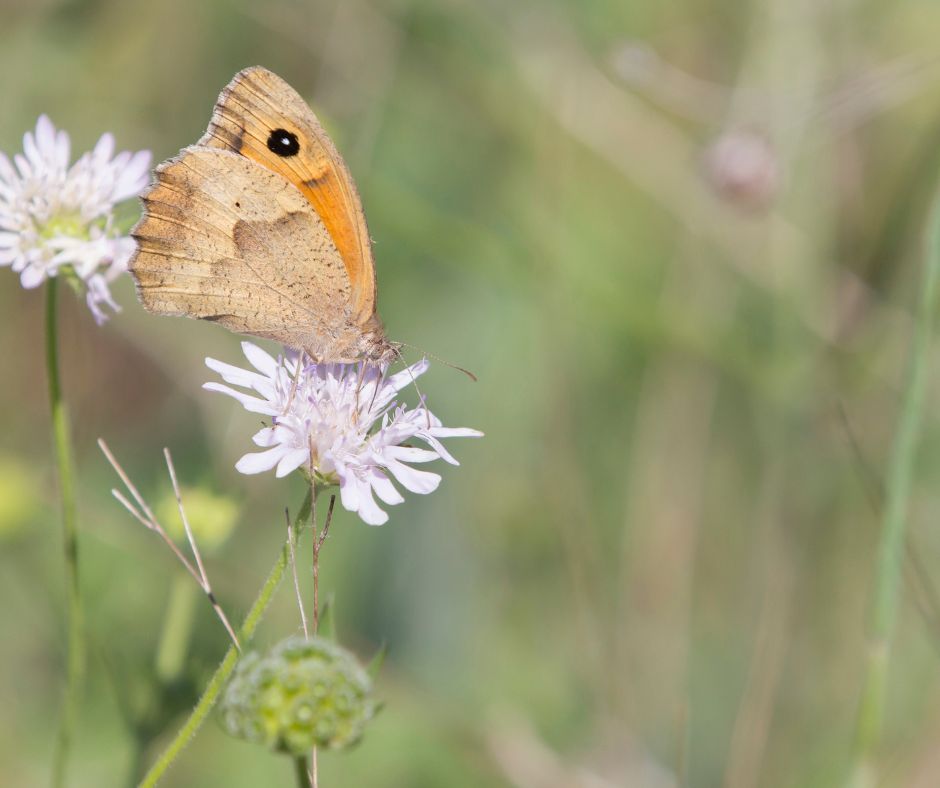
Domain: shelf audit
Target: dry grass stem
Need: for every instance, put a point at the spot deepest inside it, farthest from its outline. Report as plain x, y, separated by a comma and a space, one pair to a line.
293, 568
146, 517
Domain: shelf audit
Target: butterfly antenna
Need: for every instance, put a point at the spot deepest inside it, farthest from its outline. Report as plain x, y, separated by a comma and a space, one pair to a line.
466, 372
427, 413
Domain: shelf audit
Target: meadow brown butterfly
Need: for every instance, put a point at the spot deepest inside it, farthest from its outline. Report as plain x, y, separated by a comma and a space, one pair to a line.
259, 227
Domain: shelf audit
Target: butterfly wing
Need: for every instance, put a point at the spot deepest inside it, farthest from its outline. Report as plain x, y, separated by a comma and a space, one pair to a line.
225, 239
259, 116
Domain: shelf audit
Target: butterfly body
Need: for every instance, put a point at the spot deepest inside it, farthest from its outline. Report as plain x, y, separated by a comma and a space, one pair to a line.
259, 227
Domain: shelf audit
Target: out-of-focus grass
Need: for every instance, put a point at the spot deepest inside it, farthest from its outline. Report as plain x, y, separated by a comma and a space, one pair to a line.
657, 564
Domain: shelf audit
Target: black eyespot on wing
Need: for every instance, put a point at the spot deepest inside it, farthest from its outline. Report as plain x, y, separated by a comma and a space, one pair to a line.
283, 143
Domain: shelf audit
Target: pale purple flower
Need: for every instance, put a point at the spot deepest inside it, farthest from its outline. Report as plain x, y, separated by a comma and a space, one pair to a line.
59, 219
348, 416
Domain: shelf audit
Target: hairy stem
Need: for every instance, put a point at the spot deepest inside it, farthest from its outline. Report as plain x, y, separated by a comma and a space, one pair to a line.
318, 538
75, 665
894, 517
214, 688
314, 771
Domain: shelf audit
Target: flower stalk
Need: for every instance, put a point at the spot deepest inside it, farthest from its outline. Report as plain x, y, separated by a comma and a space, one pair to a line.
214, 688
894, 519
75, 660
319, 537
302, 771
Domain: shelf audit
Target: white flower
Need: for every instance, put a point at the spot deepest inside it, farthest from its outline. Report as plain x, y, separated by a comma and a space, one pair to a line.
348, 416
55, 218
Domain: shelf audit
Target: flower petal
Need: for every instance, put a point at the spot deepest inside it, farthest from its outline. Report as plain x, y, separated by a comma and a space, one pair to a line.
104, 148
258, 462
356, 496
291, 461
384, 488
455, 432
7, 173
408, 375
236, 375
32, 277
420, 482
265, 437
45, 138
348, 489
259, 359
133, 177
9, 240
409, 454
249, 403
370, 512
442, 452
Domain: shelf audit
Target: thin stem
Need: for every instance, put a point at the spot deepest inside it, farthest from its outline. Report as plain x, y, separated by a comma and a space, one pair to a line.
920, 582
326, 525
206, 586
214, 688
182, 510
302, 771
146, 517
316, 559
293, 569
318, 539
314, 774
894, 517
75, 670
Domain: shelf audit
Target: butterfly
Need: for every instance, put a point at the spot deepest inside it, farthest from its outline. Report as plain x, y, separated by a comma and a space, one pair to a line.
259, 227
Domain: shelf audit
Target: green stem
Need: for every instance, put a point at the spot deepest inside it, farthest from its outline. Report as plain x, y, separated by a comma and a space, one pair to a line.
136, 760
894, 517
302, 771
75, 666
213, 689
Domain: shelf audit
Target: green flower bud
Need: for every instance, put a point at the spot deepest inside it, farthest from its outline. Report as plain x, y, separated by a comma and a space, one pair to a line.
304, 693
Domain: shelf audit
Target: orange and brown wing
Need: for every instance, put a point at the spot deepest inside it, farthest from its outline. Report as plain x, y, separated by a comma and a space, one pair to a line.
260, 116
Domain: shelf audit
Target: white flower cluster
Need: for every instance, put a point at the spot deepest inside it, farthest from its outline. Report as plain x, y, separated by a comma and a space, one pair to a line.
347, 416
55, 218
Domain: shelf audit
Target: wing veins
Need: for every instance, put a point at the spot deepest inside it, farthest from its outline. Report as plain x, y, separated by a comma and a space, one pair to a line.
244, 261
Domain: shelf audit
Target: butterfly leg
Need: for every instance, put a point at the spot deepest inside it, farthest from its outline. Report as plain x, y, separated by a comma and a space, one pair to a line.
298, 371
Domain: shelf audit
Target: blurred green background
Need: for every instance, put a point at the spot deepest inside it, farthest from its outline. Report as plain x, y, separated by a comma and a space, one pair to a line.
677, 241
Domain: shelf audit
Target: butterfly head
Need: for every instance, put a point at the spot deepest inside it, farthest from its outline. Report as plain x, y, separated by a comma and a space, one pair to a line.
379, 350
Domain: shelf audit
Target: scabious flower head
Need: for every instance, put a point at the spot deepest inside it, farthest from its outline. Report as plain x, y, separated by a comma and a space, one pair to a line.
305, 693
344, 421
59, 219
